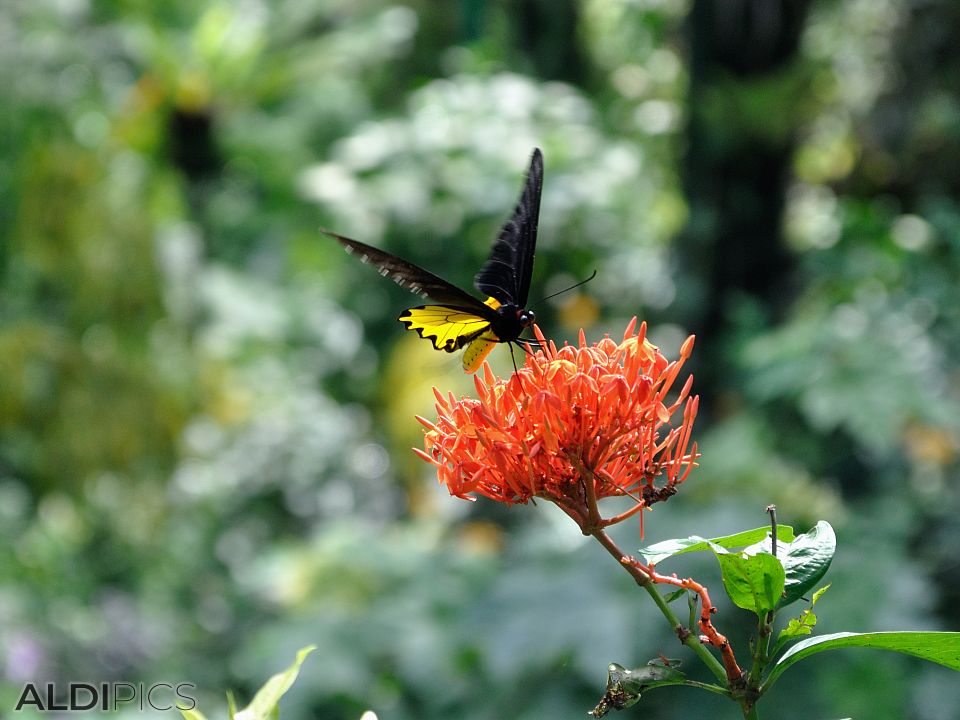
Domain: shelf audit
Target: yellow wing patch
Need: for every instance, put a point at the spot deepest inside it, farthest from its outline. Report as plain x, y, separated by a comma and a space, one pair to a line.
447, 328
477, 351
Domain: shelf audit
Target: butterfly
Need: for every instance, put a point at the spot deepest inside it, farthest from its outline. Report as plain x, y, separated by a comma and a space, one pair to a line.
458, 319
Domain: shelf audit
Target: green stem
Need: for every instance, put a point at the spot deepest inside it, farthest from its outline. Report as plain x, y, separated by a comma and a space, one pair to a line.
708, 687
691, 639
761, 652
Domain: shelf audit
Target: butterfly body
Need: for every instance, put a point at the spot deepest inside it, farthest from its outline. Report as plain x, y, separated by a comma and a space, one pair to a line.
511, 321
458, 319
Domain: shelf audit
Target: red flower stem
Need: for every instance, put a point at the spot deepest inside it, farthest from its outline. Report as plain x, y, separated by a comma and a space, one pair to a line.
734, 673
589, 482
644, 576
623, 516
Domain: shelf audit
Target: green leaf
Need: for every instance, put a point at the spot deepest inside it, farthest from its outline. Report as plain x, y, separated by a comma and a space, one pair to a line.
938, 647
753, 582
264, 703
806, 561
796, 627
191, 714
818, 593
662, 550
670, 597
624, 687
802, 625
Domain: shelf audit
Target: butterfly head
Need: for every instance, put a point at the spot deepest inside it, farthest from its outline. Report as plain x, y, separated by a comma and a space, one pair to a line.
526, 318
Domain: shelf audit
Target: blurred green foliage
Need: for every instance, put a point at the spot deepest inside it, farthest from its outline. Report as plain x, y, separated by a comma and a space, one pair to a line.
205, 406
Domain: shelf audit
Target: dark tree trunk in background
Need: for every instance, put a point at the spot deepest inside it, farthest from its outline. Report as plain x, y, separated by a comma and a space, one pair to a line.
922, 151
736, 168
912, 129
192, 144
546, 32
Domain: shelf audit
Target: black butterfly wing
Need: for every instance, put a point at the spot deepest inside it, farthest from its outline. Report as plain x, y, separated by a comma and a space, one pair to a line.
506, 274
414, 278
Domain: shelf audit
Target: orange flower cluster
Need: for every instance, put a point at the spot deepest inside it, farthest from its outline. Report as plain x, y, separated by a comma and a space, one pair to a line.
573, 425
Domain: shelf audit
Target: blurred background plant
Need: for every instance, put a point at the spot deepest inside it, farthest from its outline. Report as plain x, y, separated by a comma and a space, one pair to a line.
206, 407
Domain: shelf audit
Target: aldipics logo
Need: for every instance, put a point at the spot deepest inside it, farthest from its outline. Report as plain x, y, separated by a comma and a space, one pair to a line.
49, 697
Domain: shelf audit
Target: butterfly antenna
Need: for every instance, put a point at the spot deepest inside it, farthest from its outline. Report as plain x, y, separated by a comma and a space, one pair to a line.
582, 282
